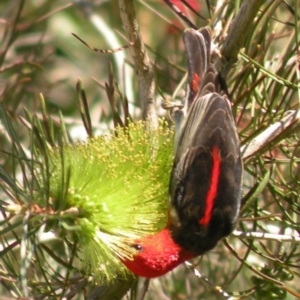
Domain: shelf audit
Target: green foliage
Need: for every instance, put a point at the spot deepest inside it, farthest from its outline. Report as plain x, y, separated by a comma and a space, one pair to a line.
52, 214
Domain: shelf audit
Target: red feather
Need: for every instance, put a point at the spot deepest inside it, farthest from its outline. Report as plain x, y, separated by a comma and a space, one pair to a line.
159, 254
213, 189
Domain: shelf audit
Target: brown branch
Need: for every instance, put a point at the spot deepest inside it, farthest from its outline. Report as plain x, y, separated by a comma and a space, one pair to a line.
142, 62
238, 32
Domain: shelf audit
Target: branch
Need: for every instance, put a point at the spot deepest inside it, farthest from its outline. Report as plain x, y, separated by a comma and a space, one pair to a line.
142, 62
238, 32
266, 236
269, 134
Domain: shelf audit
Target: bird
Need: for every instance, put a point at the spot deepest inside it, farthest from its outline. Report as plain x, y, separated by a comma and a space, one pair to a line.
206, 177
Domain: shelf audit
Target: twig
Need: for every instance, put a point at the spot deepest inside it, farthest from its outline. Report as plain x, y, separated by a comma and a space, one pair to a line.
142, 62
269, 134
144, 289
238, 32
206, 281
262, 275
266, 236
124, 74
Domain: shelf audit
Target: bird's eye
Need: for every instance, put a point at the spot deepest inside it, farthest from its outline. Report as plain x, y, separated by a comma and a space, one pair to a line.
137, 247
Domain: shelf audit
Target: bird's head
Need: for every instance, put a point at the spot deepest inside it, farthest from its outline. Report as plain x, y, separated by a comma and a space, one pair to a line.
156, 255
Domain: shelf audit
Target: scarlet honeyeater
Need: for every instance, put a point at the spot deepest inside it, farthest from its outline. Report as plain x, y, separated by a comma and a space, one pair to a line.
205, 183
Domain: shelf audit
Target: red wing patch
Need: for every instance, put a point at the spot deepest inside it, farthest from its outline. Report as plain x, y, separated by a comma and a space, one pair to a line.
195, 83
213, 189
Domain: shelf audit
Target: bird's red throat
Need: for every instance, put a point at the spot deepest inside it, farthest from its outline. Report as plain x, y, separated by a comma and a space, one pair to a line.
159, 254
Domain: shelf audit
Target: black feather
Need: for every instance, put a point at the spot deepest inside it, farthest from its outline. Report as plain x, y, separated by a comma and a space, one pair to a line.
208, 125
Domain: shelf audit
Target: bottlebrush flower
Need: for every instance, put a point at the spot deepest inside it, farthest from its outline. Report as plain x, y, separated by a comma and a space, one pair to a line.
108, 192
